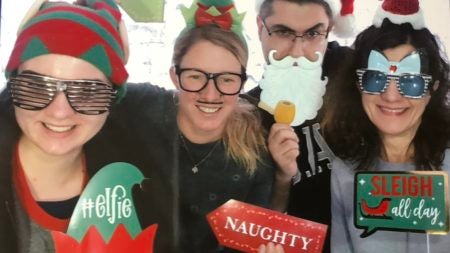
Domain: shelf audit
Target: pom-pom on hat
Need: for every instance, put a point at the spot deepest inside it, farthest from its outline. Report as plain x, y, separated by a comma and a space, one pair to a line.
89, 32
343, 19
399, 12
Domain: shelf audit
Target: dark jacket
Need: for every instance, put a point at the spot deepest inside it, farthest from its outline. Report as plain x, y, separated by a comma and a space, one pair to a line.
150, 112
9, 135
153, 204
310, 198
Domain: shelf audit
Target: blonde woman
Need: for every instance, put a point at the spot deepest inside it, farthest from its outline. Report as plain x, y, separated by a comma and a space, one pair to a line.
207, 141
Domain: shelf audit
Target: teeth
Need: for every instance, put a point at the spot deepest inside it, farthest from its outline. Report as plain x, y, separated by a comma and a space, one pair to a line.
393, 110
208, 109
58, 129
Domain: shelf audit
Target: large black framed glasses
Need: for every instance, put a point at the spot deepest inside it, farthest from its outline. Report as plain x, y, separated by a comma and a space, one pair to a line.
31, 91
409, 85
195, 80
287, 35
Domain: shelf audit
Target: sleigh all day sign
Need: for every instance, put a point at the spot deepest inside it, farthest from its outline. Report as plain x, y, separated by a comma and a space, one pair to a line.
401, 201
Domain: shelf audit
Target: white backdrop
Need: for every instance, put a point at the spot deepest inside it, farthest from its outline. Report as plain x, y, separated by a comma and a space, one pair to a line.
151, 43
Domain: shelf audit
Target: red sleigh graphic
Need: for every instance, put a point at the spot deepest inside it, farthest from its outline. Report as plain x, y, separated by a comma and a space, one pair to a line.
379, 212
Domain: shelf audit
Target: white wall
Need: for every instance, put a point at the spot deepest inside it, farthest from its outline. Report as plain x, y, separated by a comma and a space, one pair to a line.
151, 44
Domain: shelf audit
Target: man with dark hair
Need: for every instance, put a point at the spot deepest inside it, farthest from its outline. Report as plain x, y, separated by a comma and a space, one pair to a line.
299, 29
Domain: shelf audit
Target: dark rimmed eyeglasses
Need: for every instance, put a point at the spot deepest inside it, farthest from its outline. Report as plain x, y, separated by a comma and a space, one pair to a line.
195, 80
288, 35
409, 85
35, 92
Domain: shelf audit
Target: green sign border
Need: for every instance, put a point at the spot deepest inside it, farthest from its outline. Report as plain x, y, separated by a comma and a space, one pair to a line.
368, 231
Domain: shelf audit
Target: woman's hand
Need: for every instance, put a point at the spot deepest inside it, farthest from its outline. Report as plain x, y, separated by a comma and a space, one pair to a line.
270, 248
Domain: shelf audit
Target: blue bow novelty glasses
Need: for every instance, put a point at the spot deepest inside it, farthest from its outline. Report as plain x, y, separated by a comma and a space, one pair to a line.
409, 85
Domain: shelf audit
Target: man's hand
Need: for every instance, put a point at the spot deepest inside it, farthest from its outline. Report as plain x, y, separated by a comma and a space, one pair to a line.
284, 148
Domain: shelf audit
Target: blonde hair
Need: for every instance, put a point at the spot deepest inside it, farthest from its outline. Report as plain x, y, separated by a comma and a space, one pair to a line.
214, 34
244, 137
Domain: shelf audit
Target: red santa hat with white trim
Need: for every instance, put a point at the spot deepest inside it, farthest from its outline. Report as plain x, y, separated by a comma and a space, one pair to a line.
343, 19
399, 12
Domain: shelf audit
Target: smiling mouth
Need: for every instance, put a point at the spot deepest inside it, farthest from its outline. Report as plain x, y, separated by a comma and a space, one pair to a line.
58, 129
208, 109
392, 110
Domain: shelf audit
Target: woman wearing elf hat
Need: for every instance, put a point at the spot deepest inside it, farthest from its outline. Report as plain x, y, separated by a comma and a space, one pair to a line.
222, 152
64, 73
219, 144
390, 114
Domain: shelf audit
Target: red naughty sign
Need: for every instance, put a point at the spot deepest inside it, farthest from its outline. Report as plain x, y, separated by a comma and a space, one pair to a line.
244, 227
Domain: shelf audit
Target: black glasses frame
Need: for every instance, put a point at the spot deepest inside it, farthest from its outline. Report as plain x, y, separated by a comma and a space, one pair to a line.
35, 92
213, 76
426, 78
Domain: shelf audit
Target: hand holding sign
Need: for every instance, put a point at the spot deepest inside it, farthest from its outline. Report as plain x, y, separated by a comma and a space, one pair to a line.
283, 142
245, 227
270, 248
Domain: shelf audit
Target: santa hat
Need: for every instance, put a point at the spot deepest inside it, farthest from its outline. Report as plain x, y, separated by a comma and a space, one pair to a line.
399, 12
89, 32
342, 11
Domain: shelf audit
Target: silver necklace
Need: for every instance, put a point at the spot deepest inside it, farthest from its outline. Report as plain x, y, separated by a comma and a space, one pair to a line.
194, 169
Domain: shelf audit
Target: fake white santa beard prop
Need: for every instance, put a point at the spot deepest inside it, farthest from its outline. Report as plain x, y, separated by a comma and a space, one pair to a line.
297, 80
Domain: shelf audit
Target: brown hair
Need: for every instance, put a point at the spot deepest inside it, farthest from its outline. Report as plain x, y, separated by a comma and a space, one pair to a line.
243, 136
347, 128
266, 7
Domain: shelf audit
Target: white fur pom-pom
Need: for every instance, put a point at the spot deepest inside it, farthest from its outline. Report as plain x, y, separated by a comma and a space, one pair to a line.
344, 26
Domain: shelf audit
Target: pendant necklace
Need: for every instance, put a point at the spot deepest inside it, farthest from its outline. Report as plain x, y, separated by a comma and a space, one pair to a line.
194, 168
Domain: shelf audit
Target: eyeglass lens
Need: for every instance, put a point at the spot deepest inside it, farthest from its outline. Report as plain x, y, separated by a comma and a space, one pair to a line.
35, 92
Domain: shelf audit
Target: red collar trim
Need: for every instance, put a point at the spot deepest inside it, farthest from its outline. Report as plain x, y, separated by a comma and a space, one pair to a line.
32, 208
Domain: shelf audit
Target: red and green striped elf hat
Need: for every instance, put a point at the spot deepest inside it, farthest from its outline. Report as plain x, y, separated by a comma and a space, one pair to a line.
89, 32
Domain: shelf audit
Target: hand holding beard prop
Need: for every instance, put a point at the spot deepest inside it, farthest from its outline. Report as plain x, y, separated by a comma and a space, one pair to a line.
297, 80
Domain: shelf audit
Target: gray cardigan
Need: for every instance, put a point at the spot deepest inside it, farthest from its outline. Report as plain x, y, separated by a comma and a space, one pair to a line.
345, 237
